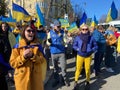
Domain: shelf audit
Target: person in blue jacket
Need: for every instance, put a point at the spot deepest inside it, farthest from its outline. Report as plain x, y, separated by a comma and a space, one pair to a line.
55, 39
98, 34
85, 45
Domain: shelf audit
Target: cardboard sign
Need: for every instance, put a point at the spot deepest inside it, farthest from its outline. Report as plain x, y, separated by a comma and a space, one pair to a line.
64, 23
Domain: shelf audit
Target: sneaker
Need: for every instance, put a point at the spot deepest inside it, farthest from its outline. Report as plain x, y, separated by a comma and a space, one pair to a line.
109, 70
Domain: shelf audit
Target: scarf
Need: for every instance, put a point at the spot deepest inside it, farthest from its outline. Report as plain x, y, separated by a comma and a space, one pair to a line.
85, 38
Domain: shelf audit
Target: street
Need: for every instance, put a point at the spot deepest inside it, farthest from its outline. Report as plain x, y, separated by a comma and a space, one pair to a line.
107, 81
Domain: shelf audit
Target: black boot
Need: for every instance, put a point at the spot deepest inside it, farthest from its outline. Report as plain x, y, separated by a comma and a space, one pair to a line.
87, 85
64, 81
67, 83
55, 83
75, 85
56, 80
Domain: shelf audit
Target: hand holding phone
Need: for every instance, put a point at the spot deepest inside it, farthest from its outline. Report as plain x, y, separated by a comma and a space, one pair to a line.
28, 53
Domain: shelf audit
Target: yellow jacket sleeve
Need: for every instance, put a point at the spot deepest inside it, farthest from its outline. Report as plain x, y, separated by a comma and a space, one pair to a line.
16, 60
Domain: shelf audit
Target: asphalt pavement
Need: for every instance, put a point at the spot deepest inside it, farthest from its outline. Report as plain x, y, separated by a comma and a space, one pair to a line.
106, 81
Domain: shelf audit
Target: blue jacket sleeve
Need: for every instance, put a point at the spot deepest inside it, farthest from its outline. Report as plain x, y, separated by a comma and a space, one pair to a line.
75, 44
98, 37
95, 46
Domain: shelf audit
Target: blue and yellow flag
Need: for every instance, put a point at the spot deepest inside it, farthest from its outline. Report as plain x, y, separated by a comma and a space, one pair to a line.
19, 13
94, 22
112, 13
9, 20
40, 18
64, 22
73, 27
83, 19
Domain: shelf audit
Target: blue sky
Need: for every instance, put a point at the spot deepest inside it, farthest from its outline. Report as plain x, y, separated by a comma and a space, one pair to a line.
95, 7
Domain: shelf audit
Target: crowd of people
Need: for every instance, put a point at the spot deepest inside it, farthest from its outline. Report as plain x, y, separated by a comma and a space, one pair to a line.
28, 50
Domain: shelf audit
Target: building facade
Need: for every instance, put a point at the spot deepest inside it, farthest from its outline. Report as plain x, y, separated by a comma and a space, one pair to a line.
50, 8
29, 5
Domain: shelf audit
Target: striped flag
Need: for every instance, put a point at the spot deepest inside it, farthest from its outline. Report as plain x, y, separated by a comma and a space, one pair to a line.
41, 20
112, 13
83, 19
19, 13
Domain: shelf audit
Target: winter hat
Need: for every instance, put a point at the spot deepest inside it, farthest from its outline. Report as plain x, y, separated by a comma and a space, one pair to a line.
57, 23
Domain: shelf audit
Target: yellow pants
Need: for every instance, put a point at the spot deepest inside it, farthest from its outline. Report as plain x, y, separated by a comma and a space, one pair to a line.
79, 64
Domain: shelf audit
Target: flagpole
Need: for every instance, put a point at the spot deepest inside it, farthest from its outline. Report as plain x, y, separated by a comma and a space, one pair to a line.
11, 7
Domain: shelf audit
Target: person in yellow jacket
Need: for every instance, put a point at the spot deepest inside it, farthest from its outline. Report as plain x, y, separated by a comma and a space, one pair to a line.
28, 60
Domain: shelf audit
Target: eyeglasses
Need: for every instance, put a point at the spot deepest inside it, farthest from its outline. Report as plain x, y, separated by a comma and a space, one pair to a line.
85, 29
30, 30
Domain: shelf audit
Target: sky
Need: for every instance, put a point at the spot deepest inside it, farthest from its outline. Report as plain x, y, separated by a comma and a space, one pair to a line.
95, 7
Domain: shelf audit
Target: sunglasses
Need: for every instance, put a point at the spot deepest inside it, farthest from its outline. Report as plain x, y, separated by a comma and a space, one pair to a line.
30, 30
58, 26
85, 29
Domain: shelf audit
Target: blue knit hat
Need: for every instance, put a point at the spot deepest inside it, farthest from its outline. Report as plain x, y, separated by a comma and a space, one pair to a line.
57, 23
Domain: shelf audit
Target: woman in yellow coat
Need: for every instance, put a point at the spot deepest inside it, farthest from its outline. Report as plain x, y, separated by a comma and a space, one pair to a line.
28, 61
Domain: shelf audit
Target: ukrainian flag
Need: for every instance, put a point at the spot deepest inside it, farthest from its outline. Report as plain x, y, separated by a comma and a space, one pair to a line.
19, 13
40, 18
73, 27
83, 19
9, 20
112, 13
94, 22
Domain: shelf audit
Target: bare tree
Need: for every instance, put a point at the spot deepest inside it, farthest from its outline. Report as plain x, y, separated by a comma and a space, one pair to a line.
58, 8
3, 7
102, 19
118, 14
